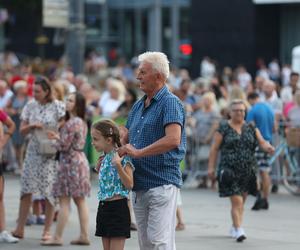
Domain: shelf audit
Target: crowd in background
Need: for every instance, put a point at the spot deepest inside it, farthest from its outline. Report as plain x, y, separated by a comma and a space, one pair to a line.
111, 91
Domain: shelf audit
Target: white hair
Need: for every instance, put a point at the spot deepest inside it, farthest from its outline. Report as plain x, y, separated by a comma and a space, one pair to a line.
118, 85
158, 60
269, 83
20, 84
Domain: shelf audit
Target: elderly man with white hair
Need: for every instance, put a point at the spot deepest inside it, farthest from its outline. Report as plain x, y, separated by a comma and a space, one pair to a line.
157, 144
271, 97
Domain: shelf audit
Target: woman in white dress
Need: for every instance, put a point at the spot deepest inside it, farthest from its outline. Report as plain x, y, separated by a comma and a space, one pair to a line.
39, 169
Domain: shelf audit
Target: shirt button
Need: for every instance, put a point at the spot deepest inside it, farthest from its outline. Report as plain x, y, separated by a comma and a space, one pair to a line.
142, 117
138, 131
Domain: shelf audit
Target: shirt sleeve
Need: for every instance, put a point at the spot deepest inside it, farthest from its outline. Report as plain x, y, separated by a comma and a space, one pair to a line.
127, 161
222, 127
174, 112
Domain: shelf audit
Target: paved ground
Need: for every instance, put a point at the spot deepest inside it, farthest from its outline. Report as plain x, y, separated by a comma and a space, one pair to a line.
206, 216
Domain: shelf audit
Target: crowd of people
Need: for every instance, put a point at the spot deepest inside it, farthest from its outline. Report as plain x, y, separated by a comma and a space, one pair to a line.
170, 120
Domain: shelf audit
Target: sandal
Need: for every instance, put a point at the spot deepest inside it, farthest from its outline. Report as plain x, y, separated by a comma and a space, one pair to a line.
46, 236
51, 242
80, 242
16, 235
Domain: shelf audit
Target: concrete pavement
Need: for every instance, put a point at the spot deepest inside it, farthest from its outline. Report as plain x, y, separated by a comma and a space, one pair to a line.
207, 220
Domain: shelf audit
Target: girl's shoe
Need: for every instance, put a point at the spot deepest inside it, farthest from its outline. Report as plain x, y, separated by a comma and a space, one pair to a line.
232, 232
240, 235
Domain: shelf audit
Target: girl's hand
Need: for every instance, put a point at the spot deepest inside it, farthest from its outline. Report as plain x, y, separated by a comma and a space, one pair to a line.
116, 160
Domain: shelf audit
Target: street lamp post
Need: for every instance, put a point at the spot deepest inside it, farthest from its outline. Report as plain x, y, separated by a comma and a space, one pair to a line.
76, 36
175, 32
154, 26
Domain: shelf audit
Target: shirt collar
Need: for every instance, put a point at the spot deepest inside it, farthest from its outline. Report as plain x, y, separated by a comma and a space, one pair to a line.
159, 95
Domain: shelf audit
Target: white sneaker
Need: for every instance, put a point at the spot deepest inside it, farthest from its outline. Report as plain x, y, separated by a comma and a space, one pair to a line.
7, 237
232, 232
240, 235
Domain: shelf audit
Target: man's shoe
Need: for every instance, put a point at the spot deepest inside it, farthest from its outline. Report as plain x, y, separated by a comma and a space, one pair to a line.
7, 237
264, 204
274, 189
257, 205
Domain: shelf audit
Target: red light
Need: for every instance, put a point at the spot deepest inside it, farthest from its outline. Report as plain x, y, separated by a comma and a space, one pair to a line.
186, 49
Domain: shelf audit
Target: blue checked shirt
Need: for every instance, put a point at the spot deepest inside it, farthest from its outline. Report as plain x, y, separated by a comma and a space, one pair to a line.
146, 126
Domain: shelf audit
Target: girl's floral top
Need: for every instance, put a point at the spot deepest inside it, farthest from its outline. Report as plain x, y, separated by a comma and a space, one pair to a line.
109, 180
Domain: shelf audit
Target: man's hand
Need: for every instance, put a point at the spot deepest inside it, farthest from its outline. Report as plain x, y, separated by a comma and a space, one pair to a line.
130, 150
123, 135
270, 149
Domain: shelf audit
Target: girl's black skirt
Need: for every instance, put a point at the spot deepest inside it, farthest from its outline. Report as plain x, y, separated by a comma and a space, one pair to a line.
113, 219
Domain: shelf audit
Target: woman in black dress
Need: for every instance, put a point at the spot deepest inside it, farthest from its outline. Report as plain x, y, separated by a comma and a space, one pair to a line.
236, 173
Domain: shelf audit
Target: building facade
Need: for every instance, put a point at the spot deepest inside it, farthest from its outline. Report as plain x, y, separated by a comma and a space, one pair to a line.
241, 31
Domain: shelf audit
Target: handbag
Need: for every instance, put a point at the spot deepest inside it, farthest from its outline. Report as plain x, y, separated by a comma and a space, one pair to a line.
203, 153
46, 147
226, 176
293, 137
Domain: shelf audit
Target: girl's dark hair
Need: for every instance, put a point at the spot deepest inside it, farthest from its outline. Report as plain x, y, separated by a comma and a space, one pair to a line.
79, 107
46, 86
108, 129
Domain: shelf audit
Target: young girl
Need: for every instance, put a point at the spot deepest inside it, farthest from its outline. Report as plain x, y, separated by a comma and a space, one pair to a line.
115, 181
